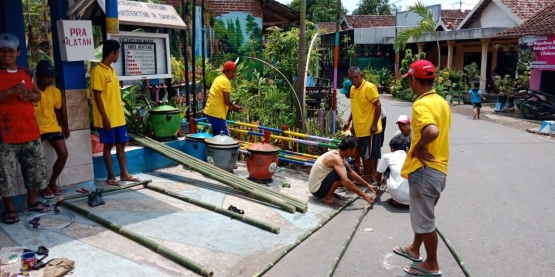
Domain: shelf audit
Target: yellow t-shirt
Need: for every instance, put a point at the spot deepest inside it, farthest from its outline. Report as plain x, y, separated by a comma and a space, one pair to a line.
50, 99
363, 109
105, 79
429, 109
215, 105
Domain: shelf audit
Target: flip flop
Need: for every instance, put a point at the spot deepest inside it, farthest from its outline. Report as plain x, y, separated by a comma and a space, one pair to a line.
339, 196
422, 272
335, 203
57, 190
112, 182
132, 179
82, 190
47, 193
403, 253
9, 220
395, 204
35, 207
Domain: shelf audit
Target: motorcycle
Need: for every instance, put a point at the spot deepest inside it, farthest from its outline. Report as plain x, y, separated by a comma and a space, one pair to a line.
537, 103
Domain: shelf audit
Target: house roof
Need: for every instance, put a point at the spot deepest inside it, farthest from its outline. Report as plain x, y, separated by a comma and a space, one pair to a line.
370, 21
540, 24
275, 13
326, 26
452, 18
520, 10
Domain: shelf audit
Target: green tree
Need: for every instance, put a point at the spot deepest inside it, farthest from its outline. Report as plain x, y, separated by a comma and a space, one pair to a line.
318, 10
231, 35
239, 33
427, 24
377, 7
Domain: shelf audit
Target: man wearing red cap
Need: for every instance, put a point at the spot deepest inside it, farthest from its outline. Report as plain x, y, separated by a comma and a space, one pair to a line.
425, 167
219, 100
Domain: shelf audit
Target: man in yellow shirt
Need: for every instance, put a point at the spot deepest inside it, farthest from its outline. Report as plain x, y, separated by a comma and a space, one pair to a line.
366, 111
425, 166
108, 116
219, 100
49, 118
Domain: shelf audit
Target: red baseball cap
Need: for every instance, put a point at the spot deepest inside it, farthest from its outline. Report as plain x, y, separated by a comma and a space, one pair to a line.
422, 69
229, 65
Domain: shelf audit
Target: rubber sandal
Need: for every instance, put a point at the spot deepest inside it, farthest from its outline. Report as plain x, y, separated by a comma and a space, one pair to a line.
396, 204
335, 203
403, 253
6, 219
47, 193
339, 196
421, 271
57, 190
112, 182
132, 179
35, 207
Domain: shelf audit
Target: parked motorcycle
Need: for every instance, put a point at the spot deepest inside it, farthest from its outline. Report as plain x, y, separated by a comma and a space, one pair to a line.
537, 103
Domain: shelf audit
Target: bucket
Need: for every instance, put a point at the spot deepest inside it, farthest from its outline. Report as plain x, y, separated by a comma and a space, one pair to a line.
196, 146
262, 161
165, 121
222, 151
28, 260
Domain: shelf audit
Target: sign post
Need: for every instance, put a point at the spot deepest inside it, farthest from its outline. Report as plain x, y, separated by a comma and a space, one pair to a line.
76, 40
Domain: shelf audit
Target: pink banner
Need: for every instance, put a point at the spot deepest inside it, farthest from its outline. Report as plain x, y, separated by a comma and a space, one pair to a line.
544, 53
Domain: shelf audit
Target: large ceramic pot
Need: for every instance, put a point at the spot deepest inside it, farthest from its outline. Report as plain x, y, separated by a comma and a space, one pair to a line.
222, 151
262, 161
165, 121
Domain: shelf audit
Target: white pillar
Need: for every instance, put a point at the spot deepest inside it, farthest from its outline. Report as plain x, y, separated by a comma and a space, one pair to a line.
483, 69
450, 44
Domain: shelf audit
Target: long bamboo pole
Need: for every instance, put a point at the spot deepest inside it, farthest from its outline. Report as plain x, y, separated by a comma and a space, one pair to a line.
249, 220
306, 235
462, 265
118, 188
211, 171
152, 245
234, 179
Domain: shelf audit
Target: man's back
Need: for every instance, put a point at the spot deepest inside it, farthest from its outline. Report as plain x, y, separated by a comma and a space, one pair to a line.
215, 105
430, 109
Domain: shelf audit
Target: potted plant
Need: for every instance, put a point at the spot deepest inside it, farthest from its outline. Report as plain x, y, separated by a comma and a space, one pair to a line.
385, 79
379, 53
506, 86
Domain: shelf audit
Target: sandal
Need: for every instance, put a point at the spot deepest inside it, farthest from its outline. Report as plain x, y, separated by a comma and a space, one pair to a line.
7, 219
39, 207
335, 203
112, 182
56, 190
47, 193
129, 179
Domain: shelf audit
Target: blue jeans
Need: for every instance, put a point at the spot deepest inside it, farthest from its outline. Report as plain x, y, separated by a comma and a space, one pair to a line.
218, 125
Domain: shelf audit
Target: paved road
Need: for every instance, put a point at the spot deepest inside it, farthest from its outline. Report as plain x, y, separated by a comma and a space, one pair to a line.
496, 210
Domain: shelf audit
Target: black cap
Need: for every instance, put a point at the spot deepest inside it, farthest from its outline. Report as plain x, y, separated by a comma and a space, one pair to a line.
44, 68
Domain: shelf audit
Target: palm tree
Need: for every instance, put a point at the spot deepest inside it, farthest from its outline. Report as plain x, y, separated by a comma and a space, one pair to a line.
301, 74
426, 25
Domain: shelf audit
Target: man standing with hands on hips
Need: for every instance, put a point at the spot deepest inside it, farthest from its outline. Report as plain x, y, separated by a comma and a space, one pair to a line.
425, 167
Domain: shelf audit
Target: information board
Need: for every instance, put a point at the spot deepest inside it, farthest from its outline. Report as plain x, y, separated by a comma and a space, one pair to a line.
142, 56
139, 58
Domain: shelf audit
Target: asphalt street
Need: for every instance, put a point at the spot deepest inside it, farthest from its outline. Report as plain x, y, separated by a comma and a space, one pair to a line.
496, 210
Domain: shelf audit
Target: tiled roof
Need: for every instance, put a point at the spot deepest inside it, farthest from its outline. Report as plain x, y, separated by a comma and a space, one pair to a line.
327, 26
524, 9
452, 18
541, 24
370, 21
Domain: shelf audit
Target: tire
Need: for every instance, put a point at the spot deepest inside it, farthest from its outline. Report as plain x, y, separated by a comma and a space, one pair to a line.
527, 112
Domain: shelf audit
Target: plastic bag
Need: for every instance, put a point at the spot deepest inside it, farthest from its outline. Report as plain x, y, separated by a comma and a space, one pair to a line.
95, 198
96, 146
10, 255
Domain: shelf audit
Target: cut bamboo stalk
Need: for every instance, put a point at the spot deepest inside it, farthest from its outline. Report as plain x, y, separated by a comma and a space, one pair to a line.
299, 205
208, 170
244, 218
306, 235
152, 245
348, 241
112, 189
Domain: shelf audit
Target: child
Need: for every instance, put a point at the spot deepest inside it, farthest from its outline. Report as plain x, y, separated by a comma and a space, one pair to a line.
476, 99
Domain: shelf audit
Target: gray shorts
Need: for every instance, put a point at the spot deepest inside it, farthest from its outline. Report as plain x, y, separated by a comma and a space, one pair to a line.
425, 187
33, 167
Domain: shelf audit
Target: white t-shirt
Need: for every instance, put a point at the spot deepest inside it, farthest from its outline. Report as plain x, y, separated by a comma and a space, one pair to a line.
383, 113
397, 186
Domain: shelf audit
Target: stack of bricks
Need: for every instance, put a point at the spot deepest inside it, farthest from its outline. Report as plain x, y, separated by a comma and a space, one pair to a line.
220, 7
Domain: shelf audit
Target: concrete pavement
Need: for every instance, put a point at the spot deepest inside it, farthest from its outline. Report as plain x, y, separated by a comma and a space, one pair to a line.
496, 210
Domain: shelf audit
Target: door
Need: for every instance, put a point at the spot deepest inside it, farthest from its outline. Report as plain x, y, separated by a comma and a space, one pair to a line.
548, 82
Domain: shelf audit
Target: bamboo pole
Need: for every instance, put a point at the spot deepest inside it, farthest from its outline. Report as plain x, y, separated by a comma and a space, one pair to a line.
210, 171
348, 241
306, 235
462, 265
233, 180
152, 245
249, 220
118, 188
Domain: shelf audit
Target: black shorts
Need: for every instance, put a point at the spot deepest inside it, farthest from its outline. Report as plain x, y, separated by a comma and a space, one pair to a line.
51, 137
370, 147
331, 178
477, 105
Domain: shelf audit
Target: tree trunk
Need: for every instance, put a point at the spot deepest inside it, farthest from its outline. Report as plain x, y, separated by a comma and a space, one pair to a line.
438, 53
301, 74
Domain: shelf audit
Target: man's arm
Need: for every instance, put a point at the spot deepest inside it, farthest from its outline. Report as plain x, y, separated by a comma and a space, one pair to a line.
13, 90
428, 135
227, 101
100, 106
377, 115
61, 122
341, 170
348, 123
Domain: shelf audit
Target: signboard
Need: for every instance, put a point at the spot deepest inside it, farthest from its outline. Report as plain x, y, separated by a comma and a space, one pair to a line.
314, 95
146, 14
544, 51
76, 40
142, 56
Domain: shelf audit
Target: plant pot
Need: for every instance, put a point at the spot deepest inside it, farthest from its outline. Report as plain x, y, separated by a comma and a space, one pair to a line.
165, 121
